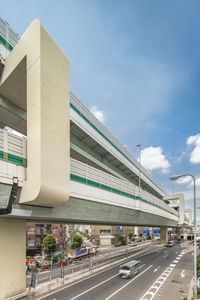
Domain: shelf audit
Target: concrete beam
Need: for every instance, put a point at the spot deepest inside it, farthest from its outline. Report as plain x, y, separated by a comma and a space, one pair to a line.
89, 212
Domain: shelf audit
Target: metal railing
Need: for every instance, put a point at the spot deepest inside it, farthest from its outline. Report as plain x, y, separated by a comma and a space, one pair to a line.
93, 176
83, 110
91, 264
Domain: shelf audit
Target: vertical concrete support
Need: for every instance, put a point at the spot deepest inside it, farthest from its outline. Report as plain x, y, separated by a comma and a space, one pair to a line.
179, 231
163, 235
12, 257
180, 205
36, 79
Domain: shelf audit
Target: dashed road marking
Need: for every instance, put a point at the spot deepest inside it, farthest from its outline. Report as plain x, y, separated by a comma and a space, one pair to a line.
157, 285
126, 283
173, 265
152, 291
156, 269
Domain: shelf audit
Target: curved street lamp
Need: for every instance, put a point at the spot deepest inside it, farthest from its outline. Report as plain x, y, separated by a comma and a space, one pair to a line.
174, 178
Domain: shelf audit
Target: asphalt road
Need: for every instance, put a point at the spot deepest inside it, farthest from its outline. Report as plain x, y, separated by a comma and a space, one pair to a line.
165, 275
48, 275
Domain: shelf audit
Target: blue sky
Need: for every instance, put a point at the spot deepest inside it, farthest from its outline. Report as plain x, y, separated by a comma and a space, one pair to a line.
136, 64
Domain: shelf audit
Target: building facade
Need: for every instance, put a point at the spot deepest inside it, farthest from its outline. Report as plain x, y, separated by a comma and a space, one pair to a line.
107, 236
35, 233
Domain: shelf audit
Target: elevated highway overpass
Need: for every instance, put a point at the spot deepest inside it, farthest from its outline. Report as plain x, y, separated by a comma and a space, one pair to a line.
68, 167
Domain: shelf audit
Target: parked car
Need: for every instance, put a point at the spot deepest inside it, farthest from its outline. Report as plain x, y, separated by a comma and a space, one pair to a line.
132, 244
170, 244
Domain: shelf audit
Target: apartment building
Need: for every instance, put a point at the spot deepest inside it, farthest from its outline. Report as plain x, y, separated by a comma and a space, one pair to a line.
36, 232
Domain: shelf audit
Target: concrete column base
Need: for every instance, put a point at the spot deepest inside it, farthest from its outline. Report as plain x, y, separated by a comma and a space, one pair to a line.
178, 233
12, 257
163, 235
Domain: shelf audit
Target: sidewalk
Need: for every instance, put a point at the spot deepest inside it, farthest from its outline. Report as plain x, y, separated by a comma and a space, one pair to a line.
190, 292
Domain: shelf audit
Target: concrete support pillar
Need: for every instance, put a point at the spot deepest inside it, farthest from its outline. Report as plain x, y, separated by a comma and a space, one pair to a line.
163, 235
12, 257
179, 232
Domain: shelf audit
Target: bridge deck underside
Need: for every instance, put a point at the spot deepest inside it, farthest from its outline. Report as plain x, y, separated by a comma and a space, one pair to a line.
88, 212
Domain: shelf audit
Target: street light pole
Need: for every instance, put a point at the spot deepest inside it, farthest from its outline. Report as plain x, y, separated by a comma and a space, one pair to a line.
175, 177
139, 159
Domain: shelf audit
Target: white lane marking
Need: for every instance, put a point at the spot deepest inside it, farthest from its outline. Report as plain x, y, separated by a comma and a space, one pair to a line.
175, 261
72, 284
92, 288
172, 265
182, 273
157, 284
156, 269
178, 258
128, 283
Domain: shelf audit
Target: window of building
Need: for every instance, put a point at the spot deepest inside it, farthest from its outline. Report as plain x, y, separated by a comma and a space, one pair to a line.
31, 242
38, 241
38, 230
105, 231
31, 230
55, 230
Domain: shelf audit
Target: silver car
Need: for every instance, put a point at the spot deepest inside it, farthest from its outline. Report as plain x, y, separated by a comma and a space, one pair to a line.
129, 269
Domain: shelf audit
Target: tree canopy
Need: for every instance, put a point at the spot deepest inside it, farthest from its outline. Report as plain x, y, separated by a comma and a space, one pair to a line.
49, 244
130, 236
77, 241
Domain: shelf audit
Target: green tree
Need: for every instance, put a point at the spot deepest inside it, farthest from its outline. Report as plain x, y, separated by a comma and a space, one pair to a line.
49, 244
130, 236
121, 240
77, 241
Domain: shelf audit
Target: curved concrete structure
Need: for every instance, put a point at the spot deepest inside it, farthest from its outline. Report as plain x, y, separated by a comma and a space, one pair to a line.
35, 79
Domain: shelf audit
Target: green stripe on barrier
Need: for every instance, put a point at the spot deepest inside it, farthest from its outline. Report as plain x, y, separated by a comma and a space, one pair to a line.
5, 43
1, 154
93, 126
113, 190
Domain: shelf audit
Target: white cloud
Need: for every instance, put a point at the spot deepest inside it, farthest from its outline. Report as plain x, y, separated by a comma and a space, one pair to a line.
195, 154
98, 114
197, 182
152, 158
185, 179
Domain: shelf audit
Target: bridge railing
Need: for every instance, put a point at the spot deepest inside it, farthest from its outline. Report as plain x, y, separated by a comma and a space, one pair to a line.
113, 141
87, 174
12, 147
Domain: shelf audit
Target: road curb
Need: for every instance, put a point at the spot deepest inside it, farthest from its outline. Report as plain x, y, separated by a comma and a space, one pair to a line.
190, 292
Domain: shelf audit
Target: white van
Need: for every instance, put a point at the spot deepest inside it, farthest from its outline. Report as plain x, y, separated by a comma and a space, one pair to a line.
129, 269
